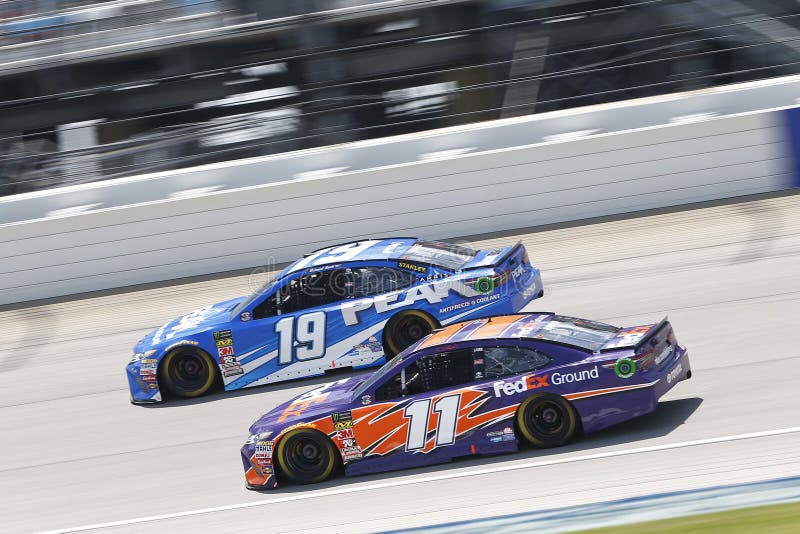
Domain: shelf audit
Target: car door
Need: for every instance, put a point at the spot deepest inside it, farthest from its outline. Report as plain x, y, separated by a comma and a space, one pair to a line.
284, 335
356, 326
427, 390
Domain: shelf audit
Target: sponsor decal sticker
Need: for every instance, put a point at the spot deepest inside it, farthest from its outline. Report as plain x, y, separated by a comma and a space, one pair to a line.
675, 373
245, 316
298, 425
530, 290
224, 342
264, 448
469, 303
223, 334
230, 365
414, 267
223, 339
525, 383
433, 293
342, 420
502, 434
343, 425
484, 285
664, 354
367, 349
322, 268
352, 453
625, 367
147, 371
576, 376
345, 433
433, 277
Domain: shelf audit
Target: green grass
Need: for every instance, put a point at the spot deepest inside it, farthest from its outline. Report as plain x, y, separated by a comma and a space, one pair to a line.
775, 519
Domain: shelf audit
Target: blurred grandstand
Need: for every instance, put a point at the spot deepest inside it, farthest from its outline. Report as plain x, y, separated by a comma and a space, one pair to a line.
93, 89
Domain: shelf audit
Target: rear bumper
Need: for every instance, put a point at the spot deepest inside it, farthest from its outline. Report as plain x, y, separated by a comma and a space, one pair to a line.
604, 411
678, 369
529, 289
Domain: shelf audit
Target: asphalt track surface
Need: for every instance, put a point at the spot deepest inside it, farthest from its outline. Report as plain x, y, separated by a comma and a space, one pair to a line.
76, 453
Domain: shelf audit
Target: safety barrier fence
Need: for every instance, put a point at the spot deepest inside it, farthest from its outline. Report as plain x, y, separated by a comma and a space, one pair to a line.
548, 168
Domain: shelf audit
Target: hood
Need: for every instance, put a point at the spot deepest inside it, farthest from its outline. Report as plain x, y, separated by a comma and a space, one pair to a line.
197, 321
314, 404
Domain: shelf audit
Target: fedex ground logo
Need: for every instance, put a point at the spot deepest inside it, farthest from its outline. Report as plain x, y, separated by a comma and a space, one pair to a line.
526, 383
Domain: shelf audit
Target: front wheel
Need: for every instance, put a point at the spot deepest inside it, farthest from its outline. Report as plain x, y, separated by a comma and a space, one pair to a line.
188, 373
405, 329
547, 421
306, 456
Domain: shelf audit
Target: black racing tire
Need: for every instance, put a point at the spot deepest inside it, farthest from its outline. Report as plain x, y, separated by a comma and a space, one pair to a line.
188, 372
546, 420
306, 456
405, 329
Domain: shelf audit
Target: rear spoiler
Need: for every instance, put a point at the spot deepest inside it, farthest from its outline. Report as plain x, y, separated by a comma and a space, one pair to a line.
636, 342
499, 261
652, 333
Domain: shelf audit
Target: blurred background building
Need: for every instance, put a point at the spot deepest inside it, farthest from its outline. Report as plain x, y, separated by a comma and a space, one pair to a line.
93, 89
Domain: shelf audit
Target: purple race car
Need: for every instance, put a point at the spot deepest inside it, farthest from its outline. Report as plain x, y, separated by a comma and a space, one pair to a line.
475, 387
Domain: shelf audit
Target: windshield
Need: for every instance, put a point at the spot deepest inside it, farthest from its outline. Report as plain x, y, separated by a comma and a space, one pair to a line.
440, 254
578, 332
266, 288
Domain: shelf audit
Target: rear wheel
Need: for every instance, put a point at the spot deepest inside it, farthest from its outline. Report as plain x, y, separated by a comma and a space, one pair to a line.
306, 456
188, 372
406, 328
547, 421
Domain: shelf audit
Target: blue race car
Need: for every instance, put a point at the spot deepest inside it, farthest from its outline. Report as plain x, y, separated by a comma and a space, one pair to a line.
348, 305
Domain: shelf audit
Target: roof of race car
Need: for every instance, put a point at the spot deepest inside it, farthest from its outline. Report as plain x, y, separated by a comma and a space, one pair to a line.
528, 326
368, 249
502, 327
390, 248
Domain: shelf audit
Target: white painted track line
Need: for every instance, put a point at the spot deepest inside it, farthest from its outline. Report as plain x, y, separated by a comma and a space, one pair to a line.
431, 478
